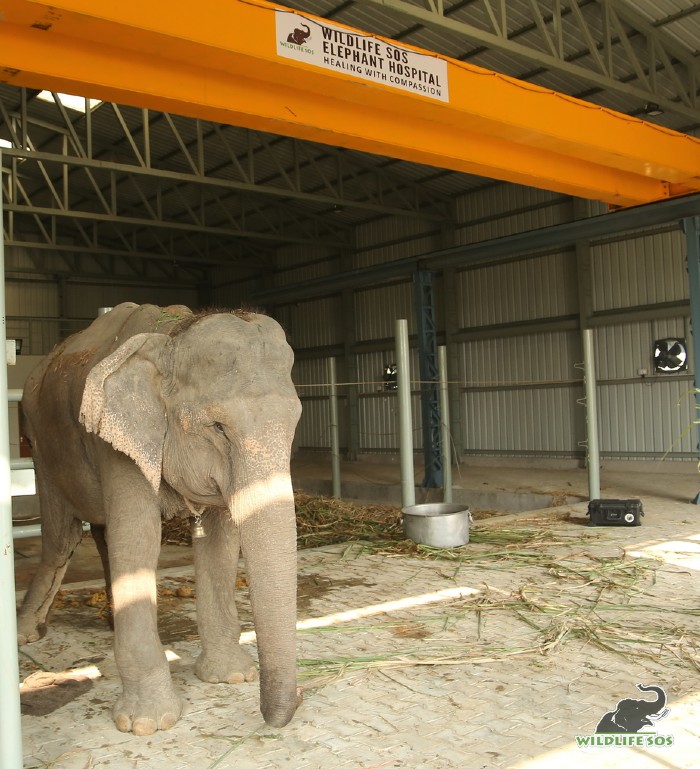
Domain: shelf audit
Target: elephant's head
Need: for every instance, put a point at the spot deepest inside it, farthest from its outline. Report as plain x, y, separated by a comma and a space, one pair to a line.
211, 410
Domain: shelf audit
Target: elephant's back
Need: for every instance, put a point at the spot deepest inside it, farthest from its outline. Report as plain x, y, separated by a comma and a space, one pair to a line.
61, 376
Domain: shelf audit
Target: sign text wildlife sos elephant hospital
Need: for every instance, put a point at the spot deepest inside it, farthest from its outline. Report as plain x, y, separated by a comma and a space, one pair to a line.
364, 56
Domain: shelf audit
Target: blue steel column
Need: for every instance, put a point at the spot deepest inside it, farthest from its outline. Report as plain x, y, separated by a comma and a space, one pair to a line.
429, 389
10, 725
691, 226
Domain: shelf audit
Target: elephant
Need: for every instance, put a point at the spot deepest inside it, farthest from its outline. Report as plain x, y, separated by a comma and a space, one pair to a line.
631, 715
154, 412
299, 36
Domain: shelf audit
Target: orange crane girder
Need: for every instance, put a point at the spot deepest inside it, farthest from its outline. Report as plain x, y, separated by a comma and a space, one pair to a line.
252, 64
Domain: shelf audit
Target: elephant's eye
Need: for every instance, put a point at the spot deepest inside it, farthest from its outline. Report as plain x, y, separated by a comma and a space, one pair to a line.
219, 428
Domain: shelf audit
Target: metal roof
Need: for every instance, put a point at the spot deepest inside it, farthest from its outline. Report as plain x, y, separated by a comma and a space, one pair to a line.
163, 196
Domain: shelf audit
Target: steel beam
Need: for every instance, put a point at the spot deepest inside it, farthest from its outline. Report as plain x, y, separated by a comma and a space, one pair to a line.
222, 64
429, 384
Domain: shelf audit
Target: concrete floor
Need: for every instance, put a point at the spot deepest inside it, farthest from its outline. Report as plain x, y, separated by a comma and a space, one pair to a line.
440, 670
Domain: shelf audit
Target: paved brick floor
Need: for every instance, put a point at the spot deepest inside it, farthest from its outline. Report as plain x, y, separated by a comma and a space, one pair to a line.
485, 663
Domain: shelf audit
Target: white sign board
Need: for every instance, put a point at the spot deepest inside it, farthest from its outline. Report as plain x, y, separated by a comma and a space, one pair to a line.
364, 56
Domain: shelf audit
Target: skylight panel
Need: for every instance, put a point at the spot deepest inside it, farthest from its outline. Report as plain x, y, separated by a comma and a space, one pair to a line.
77, 103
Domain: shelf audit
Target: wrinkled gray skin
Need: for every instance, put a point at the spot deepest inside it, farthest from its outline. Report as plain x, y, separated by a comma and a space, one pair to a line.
127, 420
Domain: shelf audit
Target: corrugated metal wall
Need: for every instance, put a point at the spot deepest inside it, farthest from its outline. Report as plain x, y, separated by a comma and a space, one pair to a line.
41, 312
515, 340
541, 287
512, 331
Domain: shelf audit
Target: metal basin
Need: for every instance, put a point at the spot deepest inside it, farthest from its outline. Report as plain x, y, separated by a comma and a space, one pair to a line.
438, 524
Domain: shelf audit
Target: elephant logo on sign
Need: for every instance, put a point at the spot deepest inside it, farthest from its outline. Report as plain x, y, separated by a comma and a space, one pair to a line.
299, 36
630, 716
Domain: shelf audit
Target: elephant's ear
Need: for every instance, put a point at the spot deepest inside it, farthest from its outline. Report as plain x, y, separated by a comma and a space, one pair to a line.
122, 402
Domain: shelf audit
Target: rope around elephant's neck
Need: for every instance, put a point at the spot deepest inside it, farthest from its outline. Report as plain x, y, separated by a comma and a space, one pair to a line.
197, 528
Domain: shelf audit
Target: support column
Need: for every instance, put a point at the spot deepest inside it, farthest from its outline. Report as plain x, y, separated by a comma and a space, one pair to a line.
591, 402
351, 391
333, 417
691, 226
428, 362
451, 302
10, 724
403, 371
584, 274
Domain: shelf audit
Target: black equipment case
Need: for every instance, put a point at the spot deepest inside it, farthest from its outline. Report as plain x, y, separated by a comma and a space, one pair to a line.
615, 512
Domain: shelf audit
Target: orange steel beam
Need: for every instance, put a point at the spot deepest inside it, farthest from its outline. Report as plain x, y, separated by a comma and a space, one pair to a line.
252, 64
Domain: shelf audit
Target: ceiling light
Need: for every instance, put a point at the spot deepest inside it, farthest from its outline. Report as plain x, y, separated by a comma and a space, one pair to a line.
5, 143
652, 109
77, 103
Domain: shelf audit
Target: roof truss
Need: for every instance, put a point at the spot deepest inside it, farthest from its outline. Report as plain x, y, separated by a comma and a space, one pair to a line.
606, 44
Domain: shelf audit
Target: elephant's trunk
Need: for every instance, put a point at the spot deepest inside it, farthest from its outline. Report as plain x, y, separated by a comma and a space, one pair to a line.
263, 507
660, 702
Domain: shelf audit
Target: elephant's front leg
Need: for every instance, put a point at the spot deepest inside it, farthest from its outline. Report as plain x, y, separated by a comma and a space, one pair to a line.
216, 562
148, 701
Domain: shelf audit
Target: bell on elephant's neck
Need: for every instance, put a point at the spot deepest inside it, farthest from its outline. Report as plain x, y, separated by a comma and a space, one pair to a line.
197, 529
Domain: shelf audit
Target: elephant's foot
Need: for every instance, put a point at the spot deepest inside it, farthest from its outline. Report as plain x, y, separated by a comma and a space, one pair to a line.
29, 630
233, 667
144, 715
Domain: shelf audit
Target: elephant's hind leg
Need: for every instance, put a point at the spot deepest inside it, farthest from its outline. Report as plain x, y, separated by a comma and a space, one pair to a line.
60, 535
222, 660
99, 535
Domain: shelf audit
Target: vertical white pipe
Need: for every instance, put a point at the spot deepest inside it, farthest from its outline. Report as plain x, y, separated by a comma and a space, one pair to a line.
403, 378
335, 440
445, 437
10, 724
590, 385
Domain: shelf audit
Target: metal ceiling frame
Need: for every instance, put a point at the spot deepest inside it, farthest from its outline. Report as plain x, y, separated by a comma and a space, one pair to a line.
651, 53
84, 193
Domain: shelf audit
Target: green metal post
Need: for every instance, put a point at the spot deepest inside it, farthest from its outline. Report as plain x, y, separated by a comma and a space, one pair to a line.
403, 379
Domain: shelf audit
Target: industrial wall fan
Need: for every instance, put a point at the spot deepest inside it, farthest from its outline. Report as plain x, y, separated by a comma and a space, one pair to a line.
670, 355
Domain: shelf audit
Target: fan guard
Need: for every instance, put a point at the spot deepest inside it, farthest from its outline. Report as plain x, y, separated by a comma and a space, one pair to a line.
670, 355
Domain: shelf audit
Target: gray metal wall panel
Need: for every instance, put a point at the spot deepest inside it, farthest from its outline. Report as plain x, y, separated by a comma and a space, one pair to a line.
505, 209
518, 360
531, 421
313, 430
304, 272
379, 422
83, 302
541, 287
377, 310
622, 350
643, 270
234, 294
314, 323
32, 315
31, 298
647, 418
392, 239
311, 377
